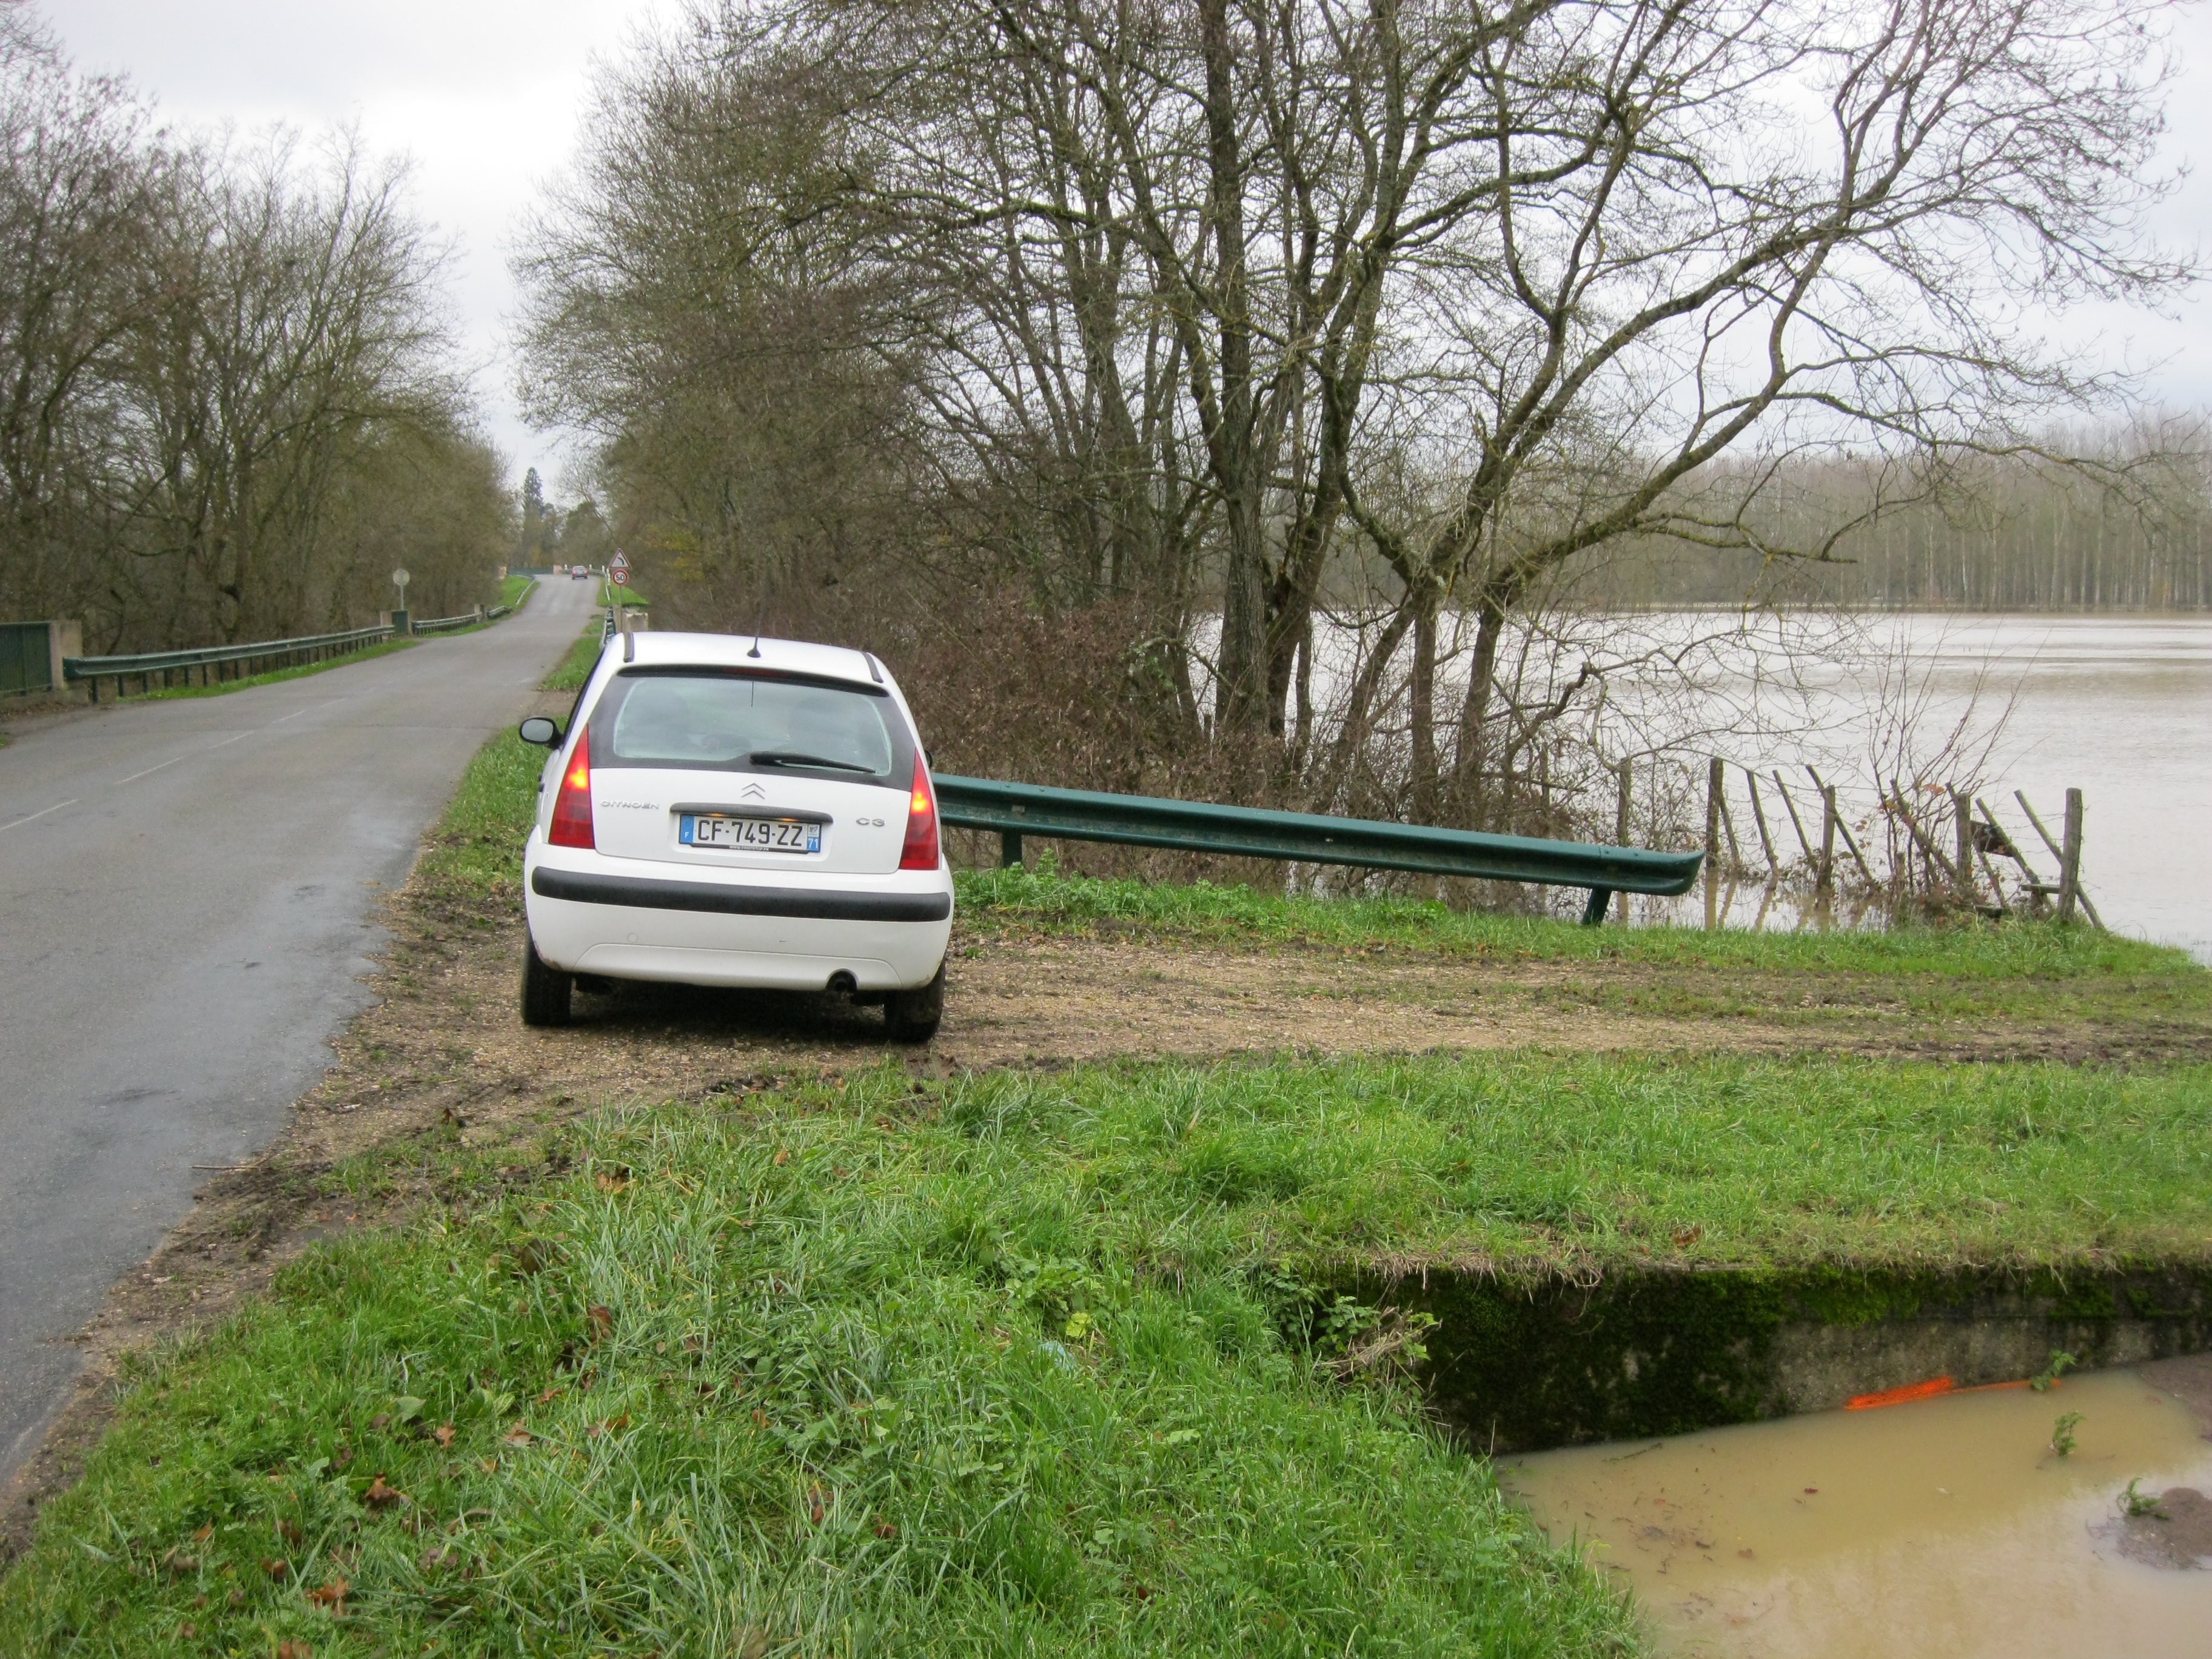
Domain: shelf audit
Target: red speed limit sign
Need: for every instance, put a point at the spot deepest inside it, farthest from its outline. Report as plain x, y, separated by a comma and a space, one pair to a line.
618, 570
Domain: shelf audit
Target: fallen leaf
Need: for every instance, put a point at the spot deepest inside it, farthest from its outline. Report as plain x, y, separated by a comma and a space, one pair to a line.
331, 1595
178, 1562
432, 1560
602, 1320
886, 1530
289, 1531
204, 1534
1690, 1235
186, 1631
375, 1424
443, 1434
550, 1393
782, 1155
607, 1425
518, 1436
488, 1464
292, 1647
275, 1568
381, 1497
608, 1183
814, 1505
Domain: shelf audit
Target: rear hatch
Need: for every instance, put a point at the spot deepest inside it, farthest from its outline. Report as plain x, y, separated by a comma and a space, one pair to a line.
726, 770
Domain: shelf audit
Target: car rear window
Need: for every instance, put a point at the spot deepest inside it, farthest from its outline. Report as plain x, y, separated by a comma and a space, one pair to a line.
729, 722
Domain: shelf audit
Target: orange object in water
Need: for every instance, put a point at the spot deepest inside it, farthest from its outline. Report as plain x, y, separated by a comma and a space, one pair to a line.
1928, 1390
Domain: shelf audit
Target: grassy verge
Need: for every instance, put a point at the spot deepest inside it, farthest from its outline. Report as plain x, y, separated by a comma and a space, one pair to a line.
299, 672
1015, 1363
1042, 900
511, 588
575, 668
477, 849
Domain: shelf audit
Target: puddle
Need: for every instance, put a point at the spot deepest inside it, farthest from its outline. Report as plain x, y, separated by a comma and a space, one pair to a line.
1943, 1527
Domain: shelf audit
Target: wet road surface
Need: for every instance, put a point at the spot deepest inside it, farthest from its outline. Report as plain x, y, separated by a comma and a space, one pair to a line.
187, 893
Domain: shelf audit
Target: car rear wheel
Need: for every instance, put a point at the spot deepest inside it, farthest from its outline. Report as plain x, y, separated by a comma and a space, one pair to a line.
546, 989
914, 1016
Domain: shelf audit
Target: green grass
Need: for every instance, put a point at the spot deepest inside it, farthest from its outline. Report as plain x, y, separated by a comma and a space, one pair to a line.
1044, 901
300, 671
511, 588
477, 847
804, 1377
1016, 1364
576, 667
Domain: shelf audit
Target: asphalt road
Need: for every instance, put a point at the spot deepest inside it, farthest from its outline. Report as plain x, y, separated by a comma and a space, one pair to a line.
186, 898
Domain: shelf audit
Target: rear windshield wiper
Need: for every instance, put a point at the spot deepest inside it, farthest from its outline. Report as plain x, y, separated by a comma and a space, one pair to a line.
781, 757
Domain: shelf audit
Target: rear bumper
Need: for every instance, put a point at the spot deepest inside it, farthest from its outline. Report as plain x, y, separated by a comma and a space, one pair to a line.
720, 898
631, 920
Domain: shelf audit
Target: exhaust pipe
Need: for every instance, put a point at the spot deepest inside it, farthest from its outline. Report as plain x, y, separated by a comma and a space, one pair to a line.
843, 982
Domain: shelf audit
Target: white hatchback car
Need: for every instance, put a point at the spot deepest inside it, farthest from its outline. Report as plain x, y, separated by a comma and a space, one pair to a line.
728, 811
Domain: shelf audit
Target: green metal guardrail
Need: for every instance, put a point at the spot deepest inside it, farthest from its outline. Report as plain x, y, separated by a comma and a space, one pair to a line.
211, 661
466, 619
1017, 810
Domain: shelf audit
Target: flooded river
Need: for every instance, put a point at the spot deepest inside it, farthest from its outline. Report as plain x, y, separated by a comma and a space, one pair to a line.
1946, 1527
2121, 709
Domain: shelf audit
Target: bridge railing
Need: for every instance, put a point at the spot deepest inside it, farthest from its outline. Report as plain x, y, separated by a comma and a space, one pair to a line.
216, 662
1017, 810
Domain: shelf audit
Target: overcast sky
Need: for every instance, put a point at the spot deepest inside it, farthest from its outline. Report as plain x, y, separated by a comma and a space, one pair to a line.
486, 96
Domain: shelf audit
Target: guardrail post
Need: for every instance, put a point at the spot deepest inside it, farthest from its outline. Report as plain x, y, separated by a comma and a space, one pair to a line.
1009, 850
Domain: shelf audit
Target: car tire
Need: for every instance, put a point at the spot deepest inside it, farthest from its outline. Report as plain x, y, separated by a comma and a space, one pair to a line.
546, 989
914, 1016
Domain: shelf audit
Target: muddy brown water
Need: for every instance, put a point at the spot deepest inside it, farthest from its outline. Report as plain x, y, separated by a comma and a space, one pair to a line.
1943, 1527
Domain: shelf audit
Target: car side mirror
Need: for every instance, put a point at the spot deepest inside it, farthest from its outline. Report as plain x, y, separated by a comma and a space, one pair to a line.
540, 731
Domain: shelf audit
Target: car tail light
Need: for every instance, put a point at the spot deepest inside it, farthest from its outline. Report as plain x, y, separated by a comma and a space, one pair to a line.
572, 807
920, 852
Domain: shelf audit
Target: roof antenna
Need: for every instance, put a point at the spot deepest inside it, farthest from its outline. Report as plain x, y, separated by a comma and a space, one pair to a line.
754, 653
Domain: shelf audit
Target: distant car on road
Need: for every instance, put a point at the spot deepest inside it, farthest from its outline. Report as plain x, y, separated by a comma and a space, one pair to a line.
579, 574
734, 811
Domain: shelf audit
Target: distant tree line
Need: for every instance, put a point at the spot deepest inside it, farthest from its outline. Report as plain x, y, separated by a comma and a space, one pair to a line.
227, 408
2124, 523
1208, 396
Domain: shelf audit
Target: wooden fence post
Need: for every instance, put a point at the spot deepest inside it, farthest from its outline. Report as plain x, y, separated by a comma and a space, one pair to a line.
1759, 816
2069, 869
1962, 814
1716, 773
1827, 879
1620, 823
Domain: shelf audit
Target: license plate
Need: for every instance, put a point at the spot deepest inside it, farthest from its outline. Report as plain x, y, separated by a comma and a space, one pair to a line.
751, 835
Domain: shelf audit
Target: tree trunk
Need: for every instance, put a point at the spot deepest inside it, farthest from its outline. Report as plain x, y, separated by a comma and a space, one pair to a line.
1474, 713
1423, 694
1240, 698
